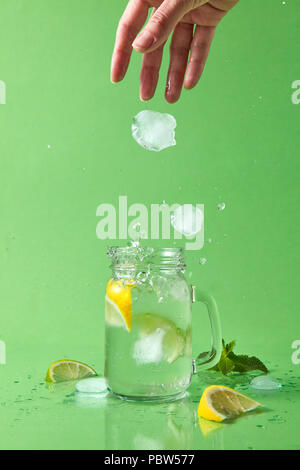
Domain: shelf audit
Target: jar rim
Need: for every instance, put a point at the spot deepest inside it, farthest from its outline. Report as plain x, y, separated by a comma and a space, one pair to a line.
146, 255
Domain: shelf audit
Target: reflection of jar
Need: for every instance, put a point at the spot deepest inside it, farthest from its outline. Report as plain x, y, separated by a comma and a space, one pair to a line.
148, 323
151, 426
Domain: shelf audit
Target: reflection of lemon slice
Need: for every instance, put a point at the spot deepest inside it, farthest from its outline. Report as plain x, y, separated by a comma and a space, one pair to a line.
63, 370
219, 402
118, 307
208, 426
167, 341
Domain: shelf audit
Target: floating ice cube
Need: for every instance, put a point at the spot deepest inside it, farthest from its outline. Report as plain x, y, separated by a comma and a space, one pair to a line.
187, 220
149, 349
264, 382
154, 131
93, 385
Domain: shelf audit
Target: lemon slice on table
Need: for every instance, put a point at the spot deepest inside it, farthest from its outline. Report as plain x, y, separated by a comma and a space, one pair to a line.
219, 402
66, 369
118, 303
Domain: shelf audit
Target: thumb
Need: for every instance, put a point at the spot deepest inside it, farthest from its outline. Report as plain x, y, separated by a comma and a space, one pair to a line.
162, 22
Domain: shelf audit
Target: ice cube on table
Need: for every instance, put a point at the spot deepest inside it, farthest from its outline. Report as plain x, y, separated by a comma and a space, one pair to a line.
265, 382
93, 385
153, 130
187, 220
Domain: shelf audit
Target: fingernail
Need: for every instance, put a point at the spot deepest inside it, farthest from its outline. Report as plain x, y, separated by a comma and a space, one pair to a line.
143, 41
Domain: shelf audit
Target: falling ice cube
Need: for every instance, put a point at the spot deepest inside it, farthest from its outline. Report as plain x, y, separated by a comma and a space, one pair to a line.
93, 385
264, 382
154, 131
187, 220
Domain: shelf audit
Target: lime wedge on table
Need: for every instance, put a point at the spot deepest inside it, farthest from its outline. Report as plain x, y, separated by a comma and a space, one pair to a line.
65, 369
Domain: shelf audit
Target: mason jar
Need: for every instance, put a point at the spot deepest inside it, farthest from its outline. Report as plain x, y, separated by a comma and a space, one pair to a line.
148, 324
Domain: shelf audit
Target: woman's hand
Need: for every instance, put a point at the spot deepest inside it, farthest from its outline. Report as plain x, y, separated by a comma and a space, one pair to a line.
192, 24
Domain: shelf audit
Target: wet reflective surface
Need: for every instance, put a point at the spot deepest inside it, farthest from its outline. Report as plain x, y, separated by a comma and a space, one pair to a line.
35, 415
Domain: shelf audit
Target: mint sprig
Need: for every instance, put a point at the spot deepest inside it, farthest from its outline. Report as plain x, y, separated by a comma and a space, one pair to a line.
231, 362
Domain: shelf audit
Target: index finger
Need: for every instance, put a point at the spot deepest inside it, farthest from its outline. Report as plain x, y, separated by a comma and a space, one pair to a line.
130, 24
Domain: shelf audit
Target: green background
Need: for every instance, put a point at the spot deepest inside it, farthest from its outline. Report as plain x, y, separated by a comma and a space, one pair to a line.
237, 142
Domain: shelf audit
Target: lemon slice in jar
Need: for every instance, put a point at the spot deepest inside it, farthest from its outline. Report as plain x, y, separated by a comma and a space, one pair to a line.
118, 303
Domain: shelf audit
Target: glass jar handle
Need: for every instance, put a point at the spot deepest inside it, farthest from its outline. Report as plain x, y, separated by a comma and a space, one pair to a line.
211, 358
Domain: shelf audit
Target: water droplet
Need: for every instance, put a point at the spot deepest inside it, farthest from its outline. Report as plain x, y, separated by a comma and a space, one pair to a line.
221, 206
202, 260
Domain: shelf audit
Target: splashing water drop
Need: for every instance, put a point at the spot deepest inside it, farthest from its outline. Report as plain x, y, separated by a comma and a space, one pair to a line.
221, 206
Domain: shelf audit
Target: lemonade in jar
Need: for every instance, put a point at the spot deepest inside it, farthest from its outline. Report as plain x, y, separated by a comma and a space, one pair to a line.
148, 316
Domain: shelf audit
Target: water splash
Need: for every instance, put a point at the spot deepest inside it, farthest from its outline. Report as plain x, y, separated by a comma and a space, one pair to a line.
221, 206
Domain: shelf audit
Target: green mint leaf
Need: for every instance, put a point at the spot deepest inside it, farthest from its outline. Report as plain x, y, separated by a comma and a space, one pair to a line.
230, 362
229, 347
244, 363
225, 365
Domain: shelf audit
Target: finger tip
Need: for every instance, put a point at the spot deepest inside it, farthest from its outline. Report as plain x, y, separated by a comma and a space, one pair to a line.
171, 99
145, 98
116, 79
189, 85
138, 48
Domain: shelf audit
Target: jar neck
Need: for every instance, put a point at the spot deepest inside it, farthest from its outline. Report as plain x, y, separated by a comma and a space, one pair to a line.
131, 261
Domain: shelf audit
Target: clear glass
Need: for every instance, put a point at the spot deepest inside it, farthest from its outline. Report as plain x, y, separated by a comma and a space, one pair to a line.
151, 356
